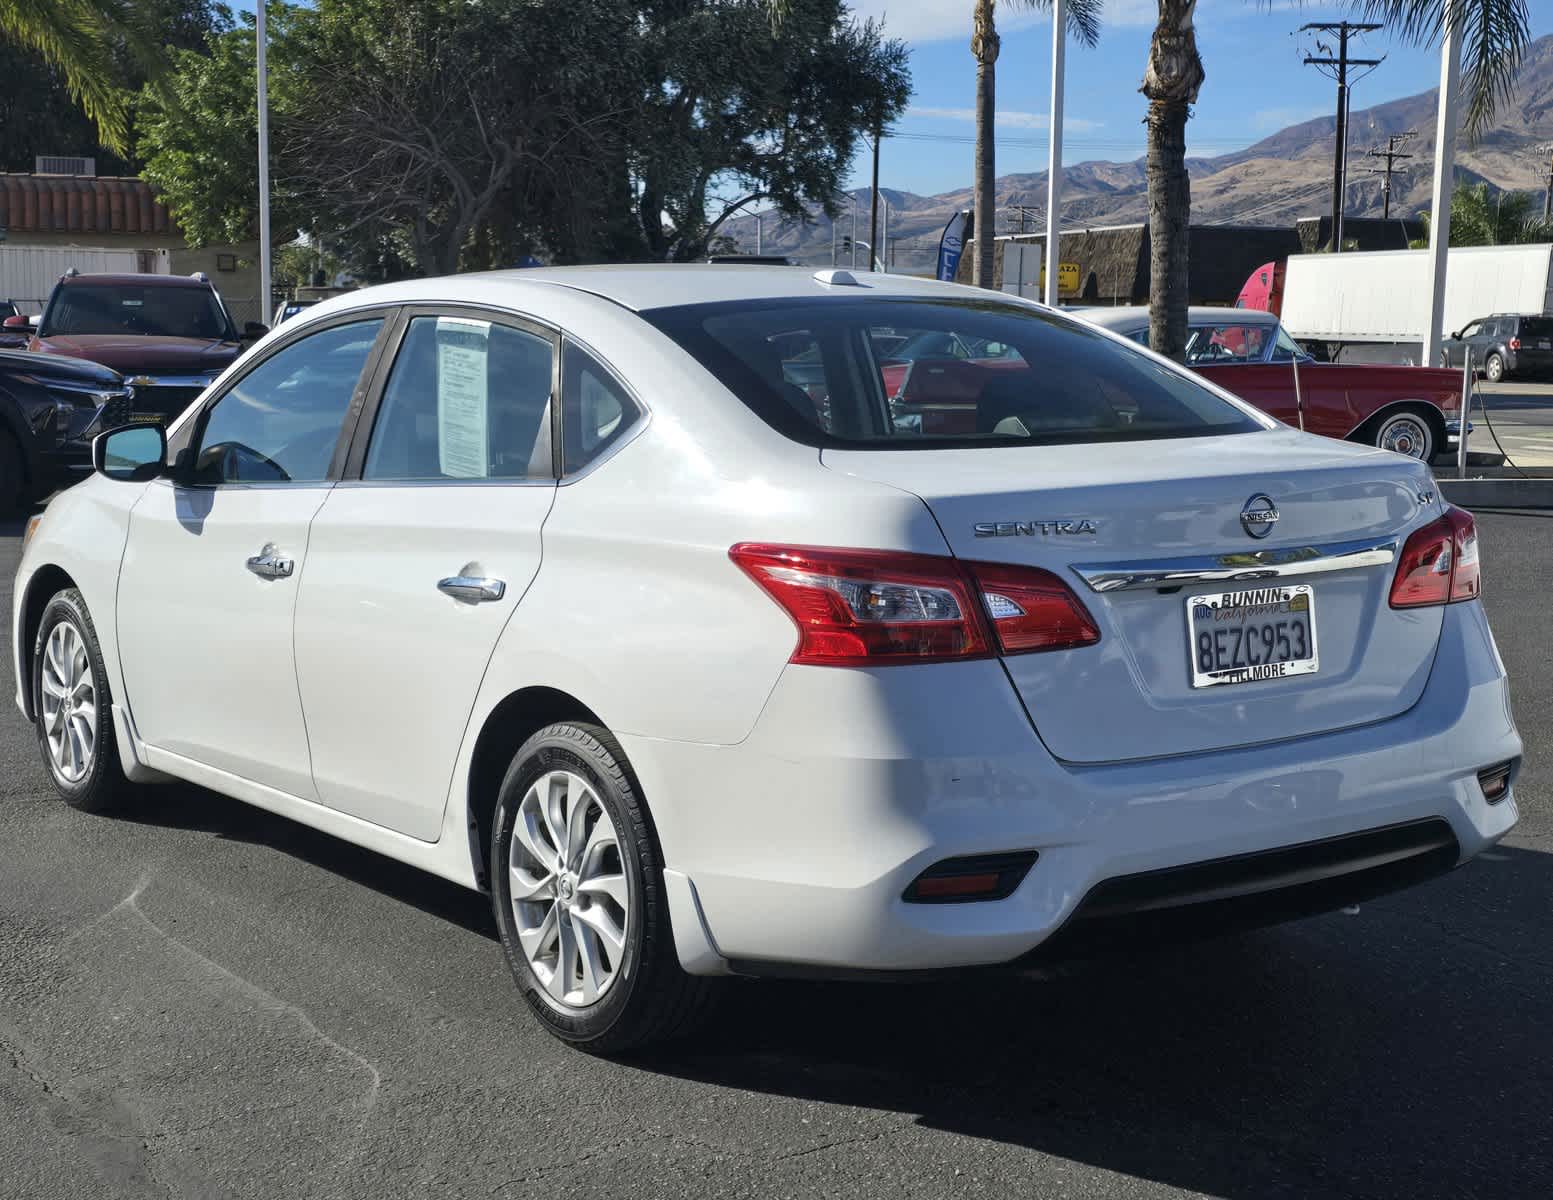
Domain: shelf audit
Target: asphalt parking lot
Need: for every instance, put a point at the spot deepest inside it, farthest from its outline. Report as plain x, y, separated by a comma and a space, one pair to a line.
1520, 413
202, 1000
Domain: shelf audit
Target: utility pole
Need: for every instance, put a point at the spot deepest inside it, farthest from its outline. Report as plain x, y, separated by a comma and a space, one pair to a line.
1339, 71
1391, 154
1547, 194
757, 233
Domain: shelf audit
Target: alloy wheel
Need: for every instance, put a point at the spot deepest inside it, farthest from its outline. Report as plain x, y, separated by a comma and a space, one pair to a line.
570, 896
69, 703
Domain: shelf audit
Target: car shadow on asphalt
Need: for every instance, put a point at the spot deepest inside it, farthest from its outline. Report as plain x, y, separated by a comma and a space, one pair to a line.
1402, 1051
184, 806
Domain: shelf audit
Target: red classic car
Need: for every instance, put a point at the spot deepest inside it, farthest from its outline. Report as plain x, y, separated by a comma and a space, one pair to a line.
1412, 410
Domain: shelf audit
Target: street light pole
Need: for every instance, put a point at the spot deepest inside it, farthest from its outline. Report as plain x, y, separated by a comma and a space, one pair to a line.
264, 166
873, 207
1054, 155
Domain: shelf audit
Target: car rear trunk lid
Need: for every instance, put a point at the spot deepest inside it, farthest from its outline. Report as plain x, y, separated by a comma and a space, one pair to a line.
1095, 514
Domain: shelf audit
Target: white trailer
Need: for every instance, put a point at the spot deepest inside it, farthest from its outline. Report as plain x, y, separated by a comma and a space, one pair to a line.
28, 273
1374, 305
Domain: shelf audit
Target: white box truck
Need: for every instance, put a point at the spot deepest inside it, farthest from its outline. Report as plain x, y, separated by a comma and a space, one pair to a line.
1373, 306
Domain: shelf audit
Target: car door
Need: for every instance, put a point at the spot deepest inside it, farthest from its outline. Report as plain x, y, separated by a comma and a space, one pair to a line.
210, 572
419, 557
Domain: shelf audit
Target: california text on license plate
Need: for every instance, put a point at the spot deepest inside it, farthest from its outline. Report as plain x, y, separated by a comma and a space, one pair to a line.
1251, 634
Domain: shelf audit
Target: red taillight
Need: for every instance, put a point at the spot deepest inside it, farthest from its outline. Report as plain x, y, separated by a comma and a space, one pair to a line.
1515, 343
1439, 563
873, 607
1032, 609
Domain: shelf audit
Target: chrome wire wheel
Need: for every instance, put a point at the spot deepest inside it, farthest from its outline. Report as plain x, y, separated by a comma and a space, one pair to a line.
1406, 434
69, 694
570, 897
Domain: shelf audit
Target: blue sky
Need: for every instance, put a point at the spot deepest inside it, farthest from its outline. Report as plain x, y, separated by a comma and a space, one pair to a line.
1256, 84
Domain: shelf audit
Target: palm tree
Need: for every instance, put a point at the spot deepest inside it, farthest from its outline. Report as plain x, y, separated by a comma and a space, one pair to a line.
1483, 218
1084, 24
79, 37
1495, 35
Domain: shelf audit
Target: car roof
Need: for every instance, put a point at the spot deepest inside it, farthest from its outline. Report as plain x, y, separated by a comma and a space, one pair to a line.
643, 287
1136, 316
130, 279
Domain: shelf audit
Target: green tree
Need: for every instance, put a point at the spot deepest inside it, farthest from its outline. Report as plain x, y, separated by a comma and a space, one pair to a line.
1483, 217
1084, 24
731, 108
198, 139
1494, 37
85, 45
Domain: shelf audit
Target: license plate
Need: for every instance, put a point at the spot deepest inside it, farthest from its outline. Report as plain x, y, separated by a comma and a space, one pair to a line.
1545, 344
1252, 634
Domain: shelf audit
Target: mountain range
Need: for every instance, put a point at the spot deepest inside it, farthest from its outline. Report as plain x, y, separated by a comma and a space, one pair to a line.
1273, 182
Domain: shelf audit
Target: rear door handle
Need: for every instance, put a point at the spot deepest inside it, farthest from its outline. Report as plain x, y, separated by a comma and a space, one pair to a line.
472, 589
270, 564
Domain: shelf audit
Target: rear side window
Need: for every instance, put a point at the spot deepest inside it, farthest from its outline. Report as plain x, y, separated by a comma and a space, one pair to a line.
466, 399
596, 411
901, 373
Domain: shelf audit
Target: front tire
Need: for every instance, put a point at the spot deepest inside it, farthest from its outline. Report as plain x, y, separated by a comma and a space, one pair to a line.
72, 708
1407, 431
1494, 368
577, 890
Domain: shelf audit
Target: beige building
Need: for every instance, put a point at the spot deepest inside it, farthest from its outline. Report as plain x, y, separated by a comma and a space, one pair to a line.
49, 223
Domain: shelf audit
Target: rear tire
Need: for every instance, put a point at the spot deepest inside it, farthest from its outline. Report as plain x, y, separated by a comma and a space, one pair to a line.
1408, 431
13, 478
73, 708
588, 936
1494, 368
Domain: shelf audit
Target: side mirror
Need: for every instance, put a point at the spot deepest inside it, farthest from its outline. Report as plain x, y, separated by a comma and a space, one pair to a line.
19, 323
1456, 335
254, 330
132, 454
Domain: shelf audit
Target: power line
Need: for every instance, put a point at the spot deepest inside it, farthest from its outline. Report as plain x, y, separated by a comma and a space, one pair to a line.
1339, 71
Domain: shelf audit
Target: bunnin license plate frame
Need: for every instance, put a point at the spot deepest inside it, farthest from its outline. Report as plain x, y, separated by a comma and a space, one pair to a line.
1253, 596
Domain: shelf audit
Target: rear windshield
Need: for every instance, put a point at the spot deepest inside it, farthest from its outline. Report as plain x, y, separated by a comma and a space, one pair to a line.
1537, 327
903, 373
191, 312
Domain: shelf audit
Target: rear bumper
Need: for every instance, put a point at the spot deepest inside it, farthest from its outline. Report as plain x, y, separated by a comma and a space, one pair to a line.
800, 841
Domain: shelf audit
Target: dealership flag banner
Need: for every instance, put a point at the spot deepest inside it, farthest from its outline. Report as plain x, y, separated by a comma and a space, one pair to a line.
956, 234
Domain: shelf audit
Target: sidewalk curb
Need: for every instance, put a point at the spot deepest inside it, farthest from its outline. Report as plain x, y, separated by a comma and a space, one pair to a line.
1498, 493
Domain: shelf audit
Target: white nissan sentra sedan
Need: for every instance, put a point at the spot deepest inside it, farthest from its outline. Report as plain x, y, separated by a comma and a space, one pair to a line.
754, 621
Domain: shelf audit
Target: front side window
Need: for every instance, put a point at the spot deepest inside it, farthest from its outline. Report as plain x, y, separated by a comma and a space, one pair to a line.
467, 399
901, 372
1472, 330
280, 423
1226, 344
150, 310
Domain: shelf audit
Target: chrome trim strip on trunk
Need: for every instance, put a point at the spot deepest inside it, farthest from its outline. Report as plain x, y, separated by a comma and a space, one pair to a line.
1245, 566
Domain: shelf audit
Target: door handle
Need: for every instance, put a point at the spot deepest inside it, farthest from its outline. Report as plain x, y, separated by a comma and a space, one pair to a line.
472, 589
268, 564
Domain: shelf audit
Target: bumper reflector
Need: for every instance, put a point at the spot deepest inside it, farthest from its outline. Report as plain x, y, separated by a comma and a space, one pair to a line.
976, 877
1495, 782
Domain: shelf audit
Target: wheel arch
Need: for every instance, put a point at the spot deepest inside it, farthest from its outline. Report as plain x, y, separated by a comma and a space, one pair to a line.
45, 583
1365, 430
512, 722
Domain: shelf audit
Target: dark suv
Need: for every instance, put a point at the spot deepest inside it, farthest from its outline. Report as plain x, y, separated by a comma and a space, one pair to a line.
50, 409
168, 335
1504, 344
